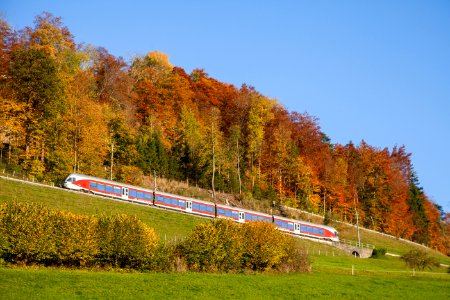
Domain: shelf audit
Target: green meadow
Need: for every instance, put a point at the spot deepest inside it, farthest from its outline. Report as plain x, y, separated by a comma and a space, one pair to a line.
334, 274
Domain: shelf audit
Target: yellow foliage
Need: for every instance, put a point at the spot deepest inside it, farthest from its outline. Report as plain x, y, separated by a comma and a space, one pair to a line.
159, 58
31, 233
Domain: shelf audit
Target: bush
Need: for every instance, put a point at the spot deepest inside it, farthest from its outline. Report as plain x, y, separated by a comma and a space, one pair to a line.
265, 246
296, 261
33, 234
167, 258
125, 242
223, 246
417, 259
213, 246
378, 252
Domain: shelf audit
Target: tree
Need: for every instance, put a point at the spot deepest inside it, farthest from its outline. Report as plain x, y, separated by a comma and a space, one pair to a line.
259, 115
8, 40
152, 155
86, 122
36, 84
212, 150
189, 145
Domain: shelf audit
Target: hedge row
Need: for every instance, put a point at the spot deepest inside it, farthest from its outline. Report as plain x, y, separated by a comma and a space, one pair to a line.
34, 234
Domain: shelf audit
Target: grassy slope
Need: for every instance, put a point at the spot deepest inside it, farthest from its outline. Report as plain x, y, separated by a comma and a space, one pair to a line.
167, 223
375, 278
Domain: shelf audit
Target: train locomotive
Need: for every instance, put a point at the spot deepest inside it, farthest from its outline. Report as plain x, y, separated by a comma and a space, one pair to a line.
121, 191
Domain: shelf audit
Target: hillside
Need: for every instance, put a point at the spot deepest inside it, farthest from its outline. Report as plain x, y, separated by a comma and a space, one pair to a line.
66, 107
172, 225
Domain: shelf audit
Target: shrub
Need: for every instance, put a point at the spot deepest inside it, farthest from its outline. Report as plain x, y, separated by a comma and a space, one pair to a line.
213, 246
223, 246
296, 261
378, 252
33, 234
125, 242
167, 258
417, 259
265, 246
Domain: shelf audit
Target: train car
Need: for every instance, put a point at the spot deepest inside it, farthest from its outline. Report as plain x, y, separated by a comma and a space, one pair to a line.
241, 215
185, 204
108, 188
303, 228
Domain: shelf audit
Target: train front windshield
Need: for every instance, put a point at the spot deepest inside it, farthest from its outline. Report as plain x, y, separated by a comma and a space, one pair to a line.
69, 179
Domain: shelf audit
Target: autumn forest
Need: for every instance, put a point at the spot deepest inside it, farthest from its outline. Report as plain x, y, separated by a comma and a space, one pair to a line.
67, 107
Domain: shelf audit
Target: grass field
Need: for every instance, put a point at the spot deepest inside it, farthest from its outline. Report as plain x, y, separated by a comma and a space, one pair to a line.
63, 284
331, 276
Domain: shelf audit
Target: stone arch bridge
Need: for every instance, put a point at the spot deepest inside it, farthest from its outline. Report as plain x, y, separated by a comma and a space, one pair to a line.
354, 248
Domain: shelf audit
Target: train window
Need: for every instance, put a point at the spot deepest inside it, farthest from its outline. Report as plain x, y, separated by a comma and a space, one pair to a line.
93, 184
228, 213
209, 208
248, 216
282, 224
167, 200
132, 193
234, 214
140, 195
316, 230
175, 202
117, 190
291, 226
321, 231
159, 199
109, 189
181, 203
195, 206
100, 187
220, 211
310, 230
147, 196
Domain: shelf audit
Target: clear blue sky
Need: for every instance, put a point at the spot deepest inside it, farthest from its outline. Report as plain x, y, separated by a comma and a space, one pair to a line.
374, 70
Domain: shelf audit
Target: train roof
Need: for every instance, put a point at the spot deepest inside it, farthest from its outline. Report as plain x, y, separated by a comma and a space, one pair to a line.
305, 222
135, 187
243, 209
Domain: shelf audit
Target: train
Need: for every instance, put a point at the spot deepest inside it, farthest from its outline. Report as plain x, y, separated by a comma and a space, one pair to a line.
125, 192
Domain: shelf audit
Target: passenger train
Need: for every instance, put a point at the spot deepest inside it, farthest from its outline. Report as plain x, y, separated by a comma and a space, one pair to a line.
141, 195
